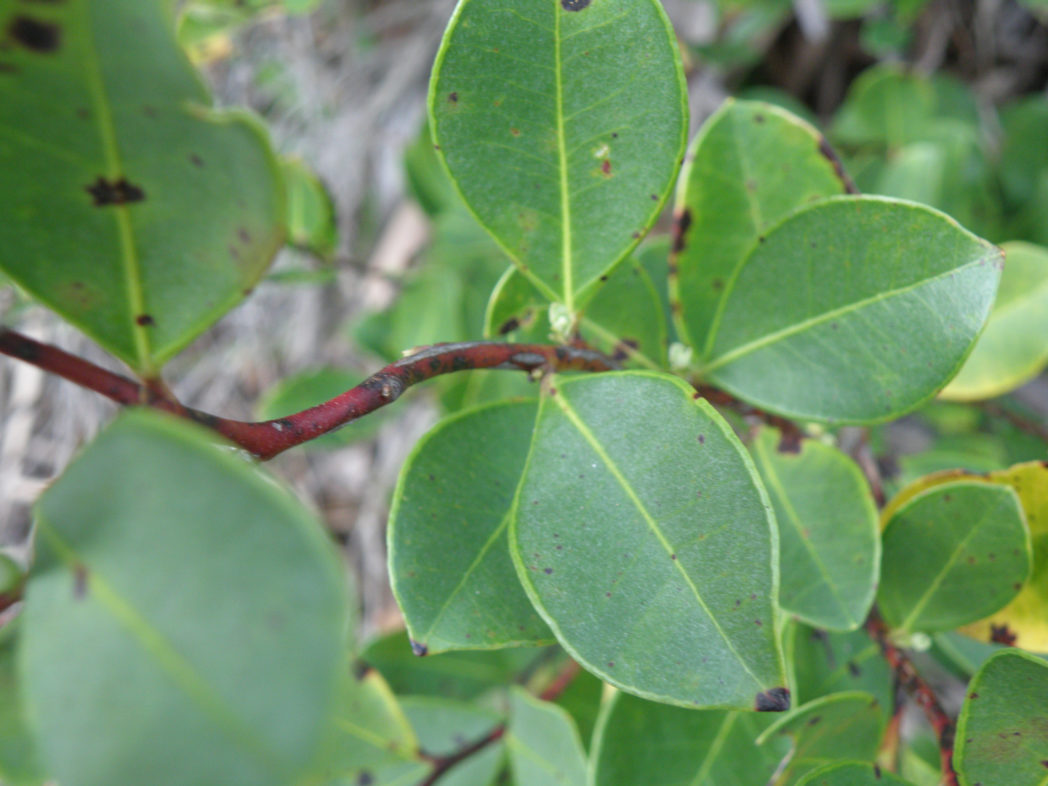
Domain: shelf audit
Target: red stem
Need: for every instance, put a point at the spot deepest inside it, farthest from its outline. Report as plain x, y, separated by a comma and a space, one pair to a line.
269, 438
921, 692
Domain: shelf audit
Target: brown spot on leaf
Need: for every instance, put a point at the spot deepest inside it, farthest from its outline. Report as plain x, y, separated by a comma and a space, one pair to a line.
624, 348
79, 581
773, 700
418, 649
605, 167
574, 5
1002, 634
117, 192
144, 320
515, 131
35, 35
453, 97
680, 228
244, 235
509, 326
758, 118
196, 160
830, 155
365, 778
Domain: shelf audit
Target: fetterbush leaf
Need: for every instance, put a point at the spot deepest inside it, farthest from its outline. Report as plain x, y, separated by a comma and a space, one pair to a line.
18, 761
563, 125
543, 743
828, 531
444, 727
642, 535
841, 726
851, 774
1012, 350
639, 741
953, 555
825, 662
855, 309
170, 212
158, 555
448, 553
750, 166
1001, 734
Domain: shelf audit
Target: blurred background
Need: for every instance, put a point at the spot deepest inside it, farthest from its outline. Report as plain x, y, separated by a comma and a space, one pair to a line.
941, 101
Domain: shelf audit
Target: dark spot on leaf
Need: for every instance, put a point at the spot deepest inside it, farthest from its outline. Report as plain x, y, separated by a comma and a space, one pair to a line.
758, 623
654, 197
365, 778
718, 284
360, 670
548, 571
144, 320
828, 153
244, 236
119, 192
773, 700
79, 581
815, 720
758, 118
1044, 763
635, 235
761, 239
611, 664
607, 594
973, 695
702, 437
603, 279
418, 649
673, 556
574, 5
605, 167
509, 326
515, 131
453, 97
624, 348
35, 35
853, 669
876, 772
680, 229
1002, 634
196, 160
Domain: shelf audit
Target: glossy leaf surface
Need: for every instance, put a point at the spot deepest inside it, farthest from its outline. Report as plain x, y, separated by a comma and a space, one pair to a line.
848, 292
828, 530
563, 125
841, 726
1011, 351
624, 319
644, 539
751, 165
448, 552
155, 592
543, 743
1001, 734
169, 211
851, 774
640, 741
952, 555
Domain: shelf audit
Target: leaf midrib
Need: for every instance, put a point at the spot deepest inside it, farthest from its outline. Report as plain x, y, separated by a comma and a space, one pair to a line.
111, 150
562, 153
715, 748
616, 473
164, 655
819, 319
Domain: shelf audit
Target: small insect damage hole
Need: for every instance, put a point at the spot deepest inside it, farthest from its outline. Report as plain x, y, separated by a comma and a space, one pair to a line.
117, 192
773, 700
574, 5
35, 35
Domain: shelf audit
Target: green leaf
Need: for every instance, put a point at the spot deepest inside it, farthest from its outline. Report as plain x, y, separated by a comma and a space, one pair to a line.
154, 589
427, 179
169, 210
1012, 350
582, 701
370, 740
643, 537
461, 675
563, 124
1001, 736
851, 773
624, 318
639, 741
751, 165
444, 727
952, 555
543, 743
448, 552
825, 663
1024, 159
310, 211
315, 386
829, 534
844, 315
18, 760
841, 726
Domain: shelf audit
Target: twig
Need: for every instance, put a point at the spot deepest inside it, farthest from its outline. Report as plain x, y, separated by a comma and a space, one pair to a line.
791, 434
268, 438
921, 692
1024, 424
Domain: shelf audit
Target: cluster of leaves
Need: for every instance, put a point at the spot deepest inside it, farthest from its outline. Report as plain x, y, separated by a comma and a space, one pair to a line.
185, 617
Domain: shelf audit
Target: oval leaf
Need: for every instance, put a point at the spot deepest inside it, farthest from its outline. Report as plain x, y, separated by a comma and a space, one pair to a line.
750, 166
1012, 350
563, 124
169, 211
455, 582
639, 741
543, 743
1001, 734
856, 309
828, 530
841, 726
153, 588
642, 535
952, 555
